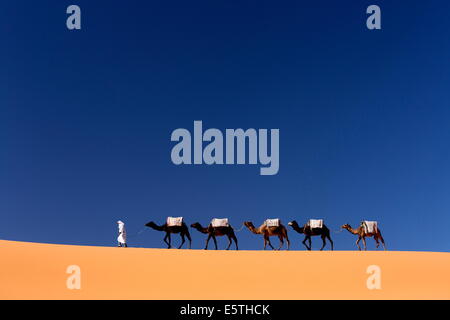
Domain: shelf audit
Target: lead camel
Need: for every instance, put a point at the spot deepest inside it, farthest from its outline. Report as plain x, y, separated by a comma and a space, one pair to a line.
182, 230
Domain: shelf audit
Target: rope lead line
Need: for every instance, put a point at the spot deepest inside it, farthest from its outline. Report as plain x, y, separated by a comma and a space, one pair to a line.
136, 234
240, 228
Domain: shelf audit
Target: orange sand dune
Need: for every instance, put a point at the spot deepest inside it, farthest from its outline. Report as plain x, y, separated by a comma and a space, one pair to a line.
38, 271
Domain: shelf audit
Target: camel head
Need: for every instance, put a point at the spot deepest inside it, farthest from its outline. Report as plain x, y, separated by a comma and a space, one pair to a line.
252, 228
293, 224
154, 226
150, 224
346, 226
249, 224
196, 225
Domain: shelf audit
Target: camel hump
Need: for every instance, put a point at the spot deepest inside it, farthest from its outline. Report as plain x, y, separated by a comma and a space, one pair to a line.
174, 221
220, 222
315, 223
272, 222
370, 226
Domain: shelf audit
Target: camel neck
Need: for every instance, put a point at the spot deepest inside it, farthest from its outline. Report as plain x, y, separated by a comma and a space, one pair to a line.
156, 227
255, 230
202, 229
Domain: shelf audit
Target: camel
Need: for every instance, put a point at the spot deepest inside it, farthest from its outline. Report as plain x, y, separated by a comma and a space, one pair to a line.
182, 230
214, 232
267, 232
323, 232
361, 233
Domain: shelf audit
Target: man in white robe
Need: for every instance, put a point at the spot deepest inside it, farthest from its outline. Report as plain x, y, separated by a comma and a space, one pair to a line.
122, 238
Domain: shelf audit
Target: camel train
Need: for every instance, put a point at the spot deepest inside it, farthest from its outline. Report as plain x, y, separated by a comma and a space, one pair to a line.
270, 228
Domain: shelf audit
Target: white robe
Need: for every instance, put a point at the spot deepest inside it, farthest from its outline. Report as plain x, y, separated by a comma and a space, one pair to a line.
122, 238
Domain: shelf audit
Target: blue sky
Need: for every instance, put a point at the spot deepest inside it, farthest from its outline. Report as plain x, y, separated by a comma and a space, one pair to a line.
86, 117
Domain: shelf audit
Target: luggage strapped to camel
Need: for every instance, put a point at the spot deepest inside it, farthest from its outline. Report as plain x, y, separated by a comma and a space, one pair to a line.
370, 226
272, 222
223, 222
174, 221
315, 223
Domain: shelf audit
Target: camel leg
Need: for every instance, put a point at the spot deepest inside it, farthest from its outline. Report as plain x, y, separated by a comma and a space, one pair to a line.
357, 243
331, 242
304, 243
375, 237
182, 240
270, 244
281, 241
165, 240
323, 242
287, 240
235, 241
309, 240
232, 236
189, 239
382, 240
364, 243
207, 241
215, 241
265, 243
229, 242
169, 240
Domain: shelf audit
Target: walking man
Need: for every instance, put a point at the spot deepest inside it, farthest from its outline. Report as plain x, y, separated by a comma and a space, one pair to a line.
122, 238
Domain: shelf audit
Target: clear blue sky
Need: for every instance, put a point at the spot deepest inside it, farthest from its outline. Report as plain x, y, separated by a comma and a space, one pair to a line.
86, 117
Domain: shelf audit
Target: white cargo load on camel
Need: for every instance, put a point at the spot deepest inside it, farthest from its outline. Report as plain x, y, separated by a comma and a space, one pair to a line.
315, 223
272, 222
220, 222
370, 226
174, 221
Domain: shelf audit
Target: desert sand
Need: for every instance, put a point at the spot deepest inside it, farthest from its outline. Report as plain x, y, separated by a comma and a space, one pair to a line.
39, 271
